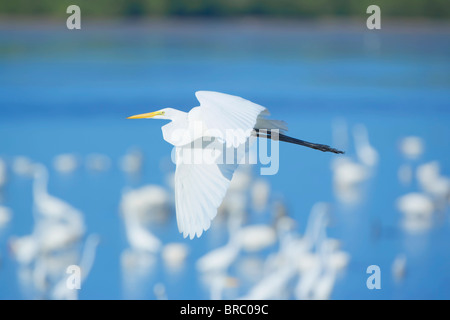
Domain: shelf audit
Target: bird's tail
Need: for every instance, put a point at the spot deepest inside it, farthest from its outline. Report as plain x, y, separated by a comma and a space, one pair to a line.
282, 137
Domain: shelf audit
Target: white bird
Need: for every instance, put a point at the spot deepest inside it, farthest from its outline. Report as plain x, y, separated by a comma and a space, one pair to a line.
97, 162
412, 147
348, 176
260, 193
415, 204
433, 183
219, 259
24, 249
61, 291
139, 207
174, 255
256, 237
48, 205
23, 166
131, 163
159, 289
139, 237
398, 267
273, 286
3, 174
5, 216
364, 150
202, 137
219, 283
65, 163
58, 224
150, 203
417, 209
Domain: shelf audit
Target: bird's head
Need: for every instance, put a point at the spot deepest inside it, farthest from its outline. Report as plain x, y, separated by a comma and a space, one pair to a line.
160, 114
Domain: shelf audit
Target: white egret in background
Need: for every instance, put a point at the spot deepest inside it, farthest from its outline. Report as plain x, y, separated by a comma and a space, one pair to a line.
279, 210
159, 289
3, 174
417, 209
53, 236
139, 237
219, 259
280, 268
147, 203
398, 267
234, 206
324, 285
260, 193
45, 203
221, 121
58, 226
219, 284
5, 216
24, 249
136, 267
416, 204
174, 255
333, 262
433, 183
52, 207
256, 237
294, 247
427, 175
140, 206
131, 162
22, 166
312, 267
61, 291
412, 147
366, 153
348, 175
319, 264
317, 222
273, 285
242, 179
97, 162
340, 133
294, 257
66, 163
44, 255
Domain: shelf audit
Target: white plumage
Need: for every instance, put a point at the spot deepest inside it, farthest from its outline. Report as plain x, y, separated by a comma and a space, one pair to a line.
226, 113
199, 136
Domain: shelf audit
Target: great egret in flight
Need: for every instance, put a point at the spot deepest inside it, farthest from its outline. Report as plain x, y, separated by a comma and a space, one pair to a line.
221, 119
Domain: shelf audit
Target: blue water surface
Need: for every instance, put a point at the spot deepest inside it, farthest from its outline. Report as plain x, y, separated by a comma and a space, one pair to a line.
67, 91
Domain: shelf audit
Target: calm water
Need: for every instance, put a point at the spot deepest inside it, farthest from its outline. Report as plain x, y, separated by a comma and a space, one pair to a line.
64, 91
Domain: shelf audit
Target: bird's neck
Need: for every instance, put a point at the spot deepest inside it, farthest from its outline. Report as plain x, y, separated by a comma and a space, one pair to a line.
175, 131
178, 115
40, 184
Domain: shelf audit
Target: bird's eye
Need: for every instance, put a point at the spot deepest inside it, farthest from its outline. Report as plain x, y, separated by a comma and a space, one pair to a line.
163, 113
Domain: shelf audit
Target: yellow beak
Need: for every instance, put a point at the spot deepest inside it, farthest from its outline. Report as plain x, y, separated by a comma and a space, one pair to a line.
147, 115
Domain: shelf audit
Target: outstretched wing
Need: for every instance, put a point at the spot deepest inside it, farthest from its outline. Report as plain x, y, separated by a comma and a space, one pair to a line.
233, 116
200, 187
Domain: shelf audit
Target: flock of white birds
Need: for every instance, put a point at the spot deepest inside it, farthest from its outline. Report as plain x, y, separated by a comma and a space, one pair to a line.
295, 265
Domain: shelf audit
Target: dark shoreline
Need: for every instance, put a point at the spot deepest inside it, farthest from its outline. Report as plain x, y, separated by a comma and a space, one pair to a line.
241, 24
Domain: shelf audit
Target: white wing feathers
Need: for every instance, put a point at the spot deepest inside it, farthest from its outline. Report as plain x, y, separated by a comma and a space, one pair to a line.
199, 191
200, 188
229, 114
263, 123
